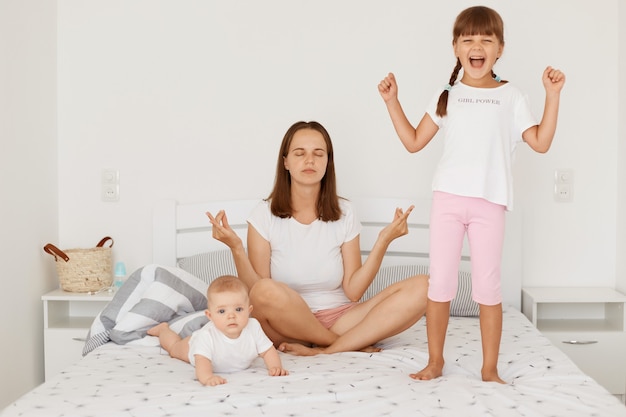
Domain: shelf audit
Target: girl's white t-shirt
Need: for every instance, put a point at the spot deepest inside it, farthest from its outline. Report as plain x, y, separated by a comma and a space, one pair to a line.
307, 257
481, 130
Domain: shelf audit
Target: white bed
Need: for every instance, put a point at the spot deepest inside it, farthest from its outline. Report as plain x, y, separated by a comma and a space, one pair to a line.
141, 380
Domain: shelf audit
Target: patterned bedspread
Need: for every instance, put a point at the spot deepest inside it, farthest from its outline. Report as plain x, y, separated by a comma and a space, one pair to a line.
126, 380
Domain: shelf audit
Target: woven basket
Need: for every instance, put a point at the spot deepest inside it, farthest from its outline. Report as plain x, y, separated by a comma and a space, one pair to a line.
83, 270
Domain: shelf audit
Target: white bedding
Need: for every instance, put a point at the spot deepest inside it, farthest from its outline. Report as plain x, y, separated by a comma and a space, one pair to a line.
117, 380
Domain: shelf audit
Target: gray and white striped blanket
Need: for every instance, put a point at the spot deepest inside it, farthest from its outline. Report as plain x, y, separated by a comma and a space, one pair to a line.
153, 294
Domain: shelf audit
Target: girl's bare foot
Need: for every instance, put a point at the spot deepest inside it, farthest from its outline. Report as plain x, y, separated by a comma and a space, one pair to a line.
156, 330
432, 371
492, 377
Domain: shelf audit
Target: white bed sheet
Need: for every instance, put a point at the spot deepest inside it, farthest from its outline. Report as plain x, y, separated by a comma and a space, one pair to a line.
140, 381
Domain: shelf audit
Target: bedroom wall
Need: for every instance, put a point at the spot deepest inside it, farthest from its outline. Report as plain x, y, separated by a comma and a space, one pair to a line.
28, 183
621, 186
189, 100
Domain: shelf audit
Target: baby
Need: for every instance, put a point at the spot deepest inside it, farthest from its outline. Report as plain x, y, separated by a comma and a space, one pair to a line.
229, 342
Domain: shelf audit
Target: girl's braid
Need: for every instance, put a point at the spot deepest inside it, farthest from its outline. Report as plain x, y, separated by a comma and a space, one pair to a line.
497, 78
442, 104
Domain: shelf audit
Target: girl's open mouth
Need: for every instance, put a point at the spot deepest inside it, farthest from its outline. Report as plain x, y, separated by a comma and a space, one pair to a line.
477, 62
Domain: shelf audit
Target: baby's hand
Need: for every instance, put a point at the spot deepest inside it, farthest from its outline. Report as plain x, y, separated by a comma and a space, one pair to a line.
553, 80
277, 371
388, 88
213, 380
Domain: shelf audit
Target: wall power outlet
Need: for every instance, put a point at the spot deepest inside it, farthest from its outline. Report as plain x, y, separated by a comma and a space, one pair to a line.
110, 187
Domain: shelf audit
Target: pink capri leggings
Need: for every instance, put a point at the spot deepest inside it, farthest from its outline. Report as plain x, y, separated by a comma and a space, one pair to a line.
451, 216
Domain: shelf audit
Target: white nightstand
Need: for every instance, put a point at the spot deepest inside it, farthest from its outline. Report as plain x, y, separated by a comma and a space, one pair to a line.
586, 323
67, 318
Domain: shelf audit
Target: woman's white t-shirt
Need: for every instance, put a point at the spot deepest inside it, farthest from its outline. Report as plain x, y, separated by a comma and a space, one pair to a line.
307, 257
481, 130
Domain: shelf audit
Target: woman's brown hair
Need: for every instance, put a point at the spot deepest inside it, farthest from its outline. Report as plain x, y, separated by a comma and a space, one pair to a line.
478, 20
328, 208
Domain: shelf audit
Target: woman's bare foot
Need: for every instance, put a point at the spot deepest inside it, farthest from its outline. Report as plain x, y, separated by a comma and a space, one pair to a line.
299, 349
492, 377
432, 371
371, 349
156, 330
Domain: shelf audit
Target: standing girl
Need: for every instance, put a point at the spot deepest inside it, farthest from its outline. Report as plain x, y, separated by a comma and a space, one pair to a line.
482, 119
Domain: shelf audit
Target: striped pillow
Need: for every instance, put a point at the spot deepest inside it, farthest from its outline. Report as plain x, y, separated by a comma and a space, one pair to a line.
461, 306
209, 265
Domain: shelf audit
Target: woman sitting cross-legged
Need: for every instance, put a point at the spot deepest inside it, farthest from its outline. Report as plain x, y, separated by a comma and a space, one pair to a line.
303, 263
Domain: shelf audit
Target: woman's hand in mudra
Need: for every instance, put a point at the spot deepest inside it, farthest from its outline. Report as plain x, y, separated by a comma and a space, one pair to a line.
222, 231
398, 227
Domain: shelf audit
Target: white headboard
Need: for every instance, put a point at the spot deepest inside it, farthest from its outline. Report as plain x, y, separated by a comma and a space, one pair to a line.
181, 230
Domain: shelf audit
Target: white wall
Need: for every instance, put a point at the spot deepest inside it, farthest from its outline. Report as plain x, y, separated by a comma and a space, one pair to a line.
190, 99
621, 182
28, 183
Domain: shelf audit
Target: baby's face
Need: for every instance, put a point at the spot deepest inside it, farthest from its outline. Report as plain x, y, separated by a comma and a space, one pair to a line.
229, 311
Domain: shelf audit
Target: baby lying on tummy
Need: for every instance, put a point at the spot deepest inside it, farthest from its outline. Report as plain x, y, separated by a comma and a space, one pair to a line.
229, 342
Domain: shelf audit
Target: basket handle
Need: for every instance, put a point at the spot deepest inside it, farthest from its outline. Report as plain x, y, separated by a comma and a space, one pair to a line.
54, 251
104, 240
